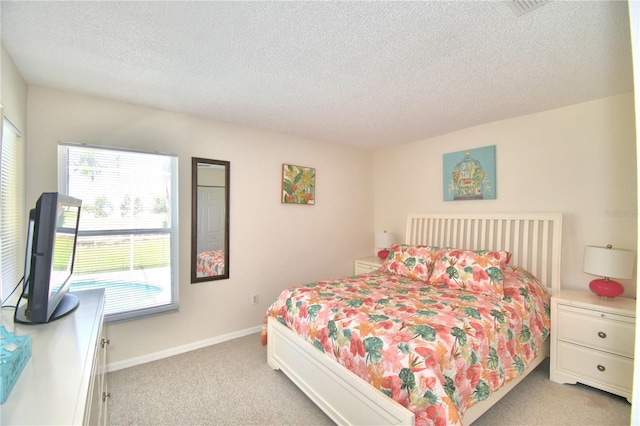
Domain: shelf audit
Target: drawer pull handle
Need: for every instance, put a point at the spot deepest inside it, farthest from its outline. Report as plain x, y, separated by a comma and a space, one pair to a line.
602, 334
601, 367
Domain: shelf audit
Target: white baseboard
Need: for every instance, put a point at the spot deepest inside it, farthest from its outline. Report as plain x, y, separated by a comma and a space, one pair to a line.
114, 366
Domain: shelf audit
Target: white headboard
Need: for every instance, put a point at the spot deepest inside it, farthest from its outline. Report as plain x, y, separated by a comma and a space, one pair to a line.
533, 239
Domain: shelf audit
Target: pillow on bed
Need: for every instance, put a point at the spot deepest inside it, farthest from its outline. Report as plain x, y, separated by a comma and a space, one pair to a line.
477, 271
411, 261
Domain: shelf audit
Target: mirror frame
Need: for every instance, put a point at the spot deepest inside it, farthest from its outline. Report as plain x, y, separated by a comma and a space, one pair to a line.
194, 219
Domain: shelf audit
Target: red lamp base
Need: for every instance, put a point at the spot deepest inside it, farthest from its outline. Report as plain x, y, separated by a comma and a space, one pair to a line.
606, 288
382, 254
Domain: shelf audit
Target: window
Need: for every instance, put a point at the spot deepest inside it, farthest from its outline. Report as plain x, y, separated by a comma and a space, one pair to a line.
12, 209
128, 234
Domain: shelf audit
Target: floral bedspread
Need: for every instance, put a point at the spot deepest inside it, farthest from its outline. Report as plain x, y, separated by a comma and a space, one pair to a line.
210, 263
437, 351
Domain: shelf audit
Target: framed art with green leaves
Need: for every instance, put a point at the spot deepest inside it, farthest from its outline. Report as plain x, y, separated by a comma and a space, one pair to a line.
298, 184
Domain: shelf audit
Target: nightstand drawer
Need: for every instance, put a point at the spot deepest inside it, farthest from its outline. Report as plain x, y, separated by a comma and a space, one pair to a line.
606, 332
367, 264
362, 268
590, 365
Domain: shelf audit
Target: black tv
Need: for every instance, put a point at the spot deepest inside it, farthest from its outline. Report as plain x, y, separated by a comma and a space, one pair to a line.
51, 247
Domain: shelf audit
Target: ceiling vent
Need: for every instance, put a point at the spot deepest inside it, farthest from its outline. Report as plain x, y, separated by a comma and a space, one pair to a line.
520, 7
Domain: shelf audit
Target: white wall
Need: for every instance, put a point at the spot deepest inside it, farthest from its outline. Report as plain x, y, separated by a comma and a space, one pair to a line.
579, 160
272, 246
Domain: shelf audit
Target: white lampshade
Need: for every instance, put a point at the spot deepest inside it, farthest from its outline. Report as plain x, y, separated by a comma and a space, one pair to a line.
385, 239
608, 262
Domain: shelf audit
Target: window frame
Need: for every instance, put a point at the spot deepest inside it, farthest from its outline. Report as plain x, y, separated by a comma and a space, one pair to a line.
63, 186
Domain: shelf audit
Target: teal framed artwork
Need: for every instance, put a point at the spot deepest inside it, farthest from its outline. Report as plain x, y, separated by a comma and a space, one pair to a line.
469, 174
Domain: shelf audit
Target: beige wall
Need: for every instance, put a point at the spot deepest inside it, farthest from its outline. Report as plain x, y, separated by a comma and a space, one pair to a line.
211, 176
13, 97
579, 160
13, 92
634, 17
272, 245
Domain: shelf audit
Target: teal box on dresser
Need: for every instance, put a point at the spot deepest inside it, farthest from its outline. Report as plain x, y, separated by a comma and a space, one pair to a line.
15, 351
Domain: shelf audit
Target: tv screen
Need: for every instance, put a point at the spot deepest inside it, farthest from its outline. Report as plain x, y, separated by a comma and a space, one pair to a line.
51, 248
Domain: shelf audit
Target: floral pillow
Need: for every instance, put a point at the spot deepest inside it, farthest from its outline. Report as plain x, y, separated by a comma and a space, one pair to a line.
411, 261
478, 271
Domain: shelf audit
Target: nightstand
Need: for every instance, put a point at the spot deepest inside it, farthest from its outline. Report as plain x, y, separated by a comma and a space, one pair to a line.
367, 264
592, 341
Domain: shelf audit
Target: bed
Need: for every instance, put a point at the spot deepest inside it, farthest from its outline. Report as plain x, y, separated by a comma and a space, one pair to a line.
210, 263
431, 368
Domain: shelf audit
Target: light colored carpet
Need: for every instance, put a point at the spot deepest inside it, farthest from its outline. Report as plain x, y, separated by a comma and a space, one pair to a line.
231, 384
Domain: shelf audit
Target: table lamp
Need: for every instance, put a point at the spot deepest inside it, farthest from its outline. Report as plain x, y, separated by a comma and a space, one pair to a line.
384, 240
609, 263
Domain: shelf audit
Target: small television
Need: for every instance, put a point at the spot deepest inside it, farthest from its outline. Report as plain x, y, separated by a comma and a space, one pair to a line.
51, 247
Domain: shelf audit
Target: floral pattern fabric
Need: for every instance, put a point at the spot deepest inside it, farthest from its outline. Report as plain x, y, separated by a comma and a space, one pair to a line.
478, 271
210, 263
411, 261
435, 350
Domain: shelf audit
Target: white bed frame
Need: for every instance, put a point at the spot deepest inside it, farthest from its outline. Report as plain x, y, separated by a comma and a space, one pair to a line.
533, 239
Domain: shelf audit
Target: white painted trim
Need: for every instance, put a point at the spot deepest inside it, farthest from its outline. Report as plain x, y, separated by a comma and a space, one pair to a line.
132, 362
338, 392
533, 239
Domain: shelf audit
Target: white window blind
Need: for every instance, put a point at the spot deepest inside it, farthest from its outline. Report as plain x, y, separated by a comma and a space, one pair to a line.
128, 234
12, 209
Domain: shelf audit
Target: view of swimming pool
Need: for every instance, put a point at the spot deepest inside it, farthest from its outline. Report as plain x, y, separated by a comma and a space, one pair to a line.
127, 290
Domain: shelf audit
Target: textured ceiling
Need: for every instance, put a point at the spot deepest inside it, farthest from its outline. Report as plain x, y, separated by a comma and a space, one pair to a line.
369, 74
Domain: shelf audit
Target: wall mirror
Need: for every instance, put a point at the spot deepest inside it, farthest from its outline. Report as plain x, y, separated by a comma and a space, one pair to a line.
209, 220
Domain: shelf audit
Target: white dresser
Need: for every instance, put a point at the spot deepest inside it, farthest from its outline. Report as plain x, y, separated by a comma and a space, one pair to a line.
367, 264
592, 341
64, 381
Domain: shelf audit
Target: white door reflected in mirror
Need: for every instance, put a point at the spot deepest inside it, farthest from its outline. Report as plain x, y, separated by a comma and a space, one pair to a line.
210, 219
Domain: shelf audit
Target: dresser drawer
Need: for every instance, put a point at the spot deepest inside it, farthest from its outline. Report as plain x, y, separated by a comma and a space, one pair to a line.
607, 332
603, 370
